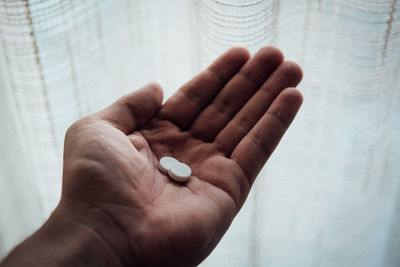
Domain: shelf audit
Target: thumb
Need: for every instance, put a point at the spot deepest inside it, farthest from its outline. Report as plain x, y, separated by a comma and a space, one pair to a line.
133, 110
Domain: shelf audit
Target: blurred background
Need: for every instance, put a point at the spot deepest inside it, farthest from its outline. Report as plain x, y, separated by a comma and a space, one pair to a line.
329, 195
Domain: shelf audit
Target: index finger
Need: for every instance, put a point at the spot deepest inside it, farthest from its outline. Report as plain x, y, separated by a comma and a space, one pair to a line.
184, 106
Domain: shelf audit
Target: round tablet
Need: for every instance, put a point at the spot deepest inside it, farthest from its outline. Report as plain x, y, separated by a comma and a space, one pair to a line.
180, 172
166, 162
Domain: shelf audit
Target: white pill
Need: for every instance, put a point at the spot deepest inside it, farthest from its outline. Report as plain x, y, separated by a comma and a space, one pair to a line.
166, 162
180, 172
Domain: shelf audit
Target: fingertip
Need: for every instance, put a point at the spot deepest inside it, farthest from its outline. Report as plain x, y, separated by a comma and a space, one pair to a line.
286, 105
293, 96
241, 53
271, 53
157, 91
230, 62
293, 71
133, 110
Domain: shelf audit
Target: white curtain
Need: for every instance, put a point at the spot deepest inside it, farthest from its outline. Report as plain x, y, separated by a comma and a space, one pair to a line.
329, 195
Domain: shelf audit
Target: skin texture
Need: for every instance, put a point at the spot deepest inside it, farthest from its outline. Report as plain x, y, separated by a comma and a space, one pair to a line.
118, 209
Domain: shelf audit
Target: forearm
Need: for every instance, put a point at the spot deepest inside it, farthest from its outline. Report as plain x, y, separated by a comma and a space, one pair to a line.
62, 241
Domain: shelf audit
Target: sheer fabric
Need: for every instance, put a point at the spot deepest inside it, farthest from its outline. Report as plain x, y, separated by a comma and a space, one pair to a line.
329, 195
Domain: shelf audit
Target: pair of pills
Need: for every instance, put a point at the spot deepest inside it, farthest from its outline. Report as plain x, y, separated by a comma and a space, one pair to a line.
178, 171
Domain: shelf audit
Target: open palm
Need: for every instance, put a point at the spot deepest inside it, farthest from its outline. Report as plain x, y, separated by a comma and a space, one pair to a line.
224, 124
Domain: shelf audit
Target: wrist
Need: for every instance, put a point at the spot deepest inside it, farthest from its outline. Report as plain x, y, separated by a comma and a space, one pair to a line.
65, 240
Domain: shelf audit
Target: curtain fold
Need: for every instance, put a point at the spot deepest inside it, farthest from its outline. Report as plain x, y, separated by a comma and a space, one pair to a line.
329, 195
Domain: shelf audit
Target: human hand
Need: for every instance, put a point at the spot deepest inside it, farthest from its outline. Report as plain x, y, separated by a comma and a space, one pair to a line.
224, 124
